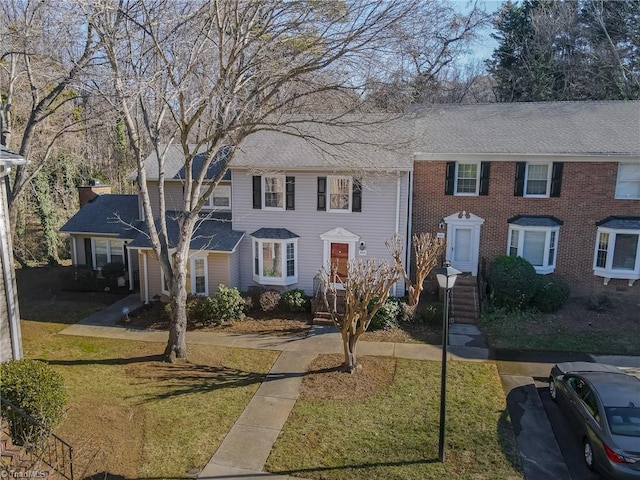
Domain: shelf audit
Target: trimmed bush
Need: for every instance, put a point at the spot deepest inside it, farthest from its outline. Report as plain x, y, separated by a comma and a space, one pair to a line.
226, 305
295, 301
551, 295
269, 300
386, 317
513, 282
37, 389
112, 271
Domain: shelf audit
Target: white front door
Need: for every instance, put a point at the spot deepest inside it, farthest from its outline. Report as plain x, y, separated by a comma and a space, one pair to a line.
463, 241
461, 245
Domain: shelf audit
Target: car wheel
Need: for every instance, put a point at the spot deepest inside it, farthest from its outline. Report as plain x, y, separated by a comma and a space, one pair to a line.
588, 453
553, 390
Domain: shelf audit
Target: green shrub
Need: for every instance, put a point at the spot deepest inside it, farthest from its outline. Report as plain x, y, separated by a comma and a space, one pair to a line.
295, 301
269, 300
432, 314
37, 389
513, 282
386, 317
225, 306
551, 295
111, 271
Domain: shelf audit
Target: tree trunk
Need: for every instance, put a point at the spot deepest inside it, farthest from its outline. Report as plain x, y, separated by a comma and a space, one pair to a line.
349, 342
177, 343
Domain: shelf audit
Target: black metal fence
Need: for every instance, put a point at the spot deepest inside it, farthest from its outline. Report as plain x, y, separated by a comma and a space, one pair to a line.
36, 441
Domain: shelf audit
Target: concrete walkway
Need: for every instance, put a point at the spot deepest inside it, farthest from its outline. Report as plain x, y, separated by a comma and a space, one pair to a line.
246, 447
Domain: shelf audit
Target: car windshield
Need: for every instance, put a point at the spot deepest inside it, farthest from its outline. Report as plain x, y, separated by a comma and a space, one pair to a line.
624, 420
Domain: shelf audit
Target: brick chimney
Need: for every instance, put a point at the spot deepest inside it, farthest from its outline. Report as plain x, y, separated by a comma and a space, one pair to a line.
90, 192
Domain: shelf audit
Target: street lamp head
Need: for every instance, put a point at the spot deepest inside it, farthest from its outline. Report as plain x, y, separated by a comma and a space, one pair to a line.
447, 275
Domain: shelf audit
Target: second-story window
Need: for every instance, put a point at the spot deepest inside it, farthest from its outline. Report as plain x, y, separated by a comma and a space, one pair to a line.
537, 179
467, 178
274, 192
628, 183
339, 194
220, 199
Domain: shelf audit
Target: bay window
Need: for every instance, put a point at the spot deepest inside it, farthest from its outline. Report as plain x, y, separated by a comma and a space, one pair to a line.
535, 239
617, 250
275, 256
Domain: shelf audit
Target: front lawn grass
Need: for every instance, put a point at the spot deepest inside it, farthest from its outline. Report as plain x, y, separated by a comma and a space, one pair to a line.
607, 335
393, 433
131, 414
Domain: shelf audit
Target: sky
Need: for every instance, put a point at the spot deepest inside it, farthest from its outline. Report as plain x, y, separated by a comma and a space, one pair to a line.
485, 44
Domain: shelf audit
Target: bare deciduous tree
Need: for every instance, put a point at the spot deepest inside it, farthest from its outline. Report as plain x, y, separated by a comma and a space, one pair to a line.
46, 47
366, 289
207, 74
427, 250
367, 286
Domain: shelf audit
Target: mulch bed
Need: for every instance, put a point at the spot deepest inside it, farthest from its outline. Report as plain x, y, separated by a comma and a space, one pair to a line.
154, 317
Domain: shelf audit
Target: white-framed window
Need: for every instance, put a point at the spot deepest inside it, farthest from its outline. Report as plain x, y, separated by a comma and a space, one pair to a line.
273, 191
107, 250
467, 179
628, 182
537, 180
340, 189
617, 254
275, 262
197, 273
199, 276
220, 199
538, 245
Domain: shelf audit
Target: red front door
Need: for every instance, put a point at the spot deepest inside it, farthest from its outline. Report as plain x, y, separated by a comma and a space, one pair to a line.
340, 258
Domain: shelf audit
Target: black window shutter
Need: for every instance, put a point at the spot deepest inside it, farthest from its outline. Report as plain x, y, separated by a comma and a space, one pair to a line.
484, 177
257, 191
356, 200
450, 179
322, 193
290, 193
556, 178
518, 190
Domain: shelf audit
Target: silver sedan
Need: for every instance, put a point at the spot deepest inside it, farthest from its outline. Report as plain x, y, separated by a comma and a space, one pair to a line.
602, 404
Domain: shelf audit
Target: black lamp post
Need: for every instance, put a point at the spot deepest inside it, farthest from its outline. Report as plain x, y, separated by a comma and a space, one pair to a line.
446, 279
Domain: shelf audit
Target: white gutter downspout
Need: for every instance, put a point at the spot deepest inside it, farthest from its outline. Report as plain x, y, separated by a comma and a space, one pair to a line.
146, 278
7, 263
407, 259
397, 229
130, 270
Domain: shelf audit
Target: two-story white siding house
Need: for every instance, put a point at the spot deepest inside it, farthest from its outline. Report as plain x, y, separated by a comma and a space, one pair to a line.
304, 206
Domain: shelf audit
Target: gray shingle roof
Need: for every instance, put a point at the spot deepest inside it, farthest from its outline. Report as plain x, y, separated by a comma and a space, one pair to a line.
620, 223
174, 164
274, 234
212, 233
115, 215
608, 127
535, 221
364, 142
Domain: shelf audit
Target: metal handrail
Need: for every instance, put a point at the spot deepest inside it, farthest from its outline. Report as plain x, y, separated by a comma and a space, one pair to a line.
38, 441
